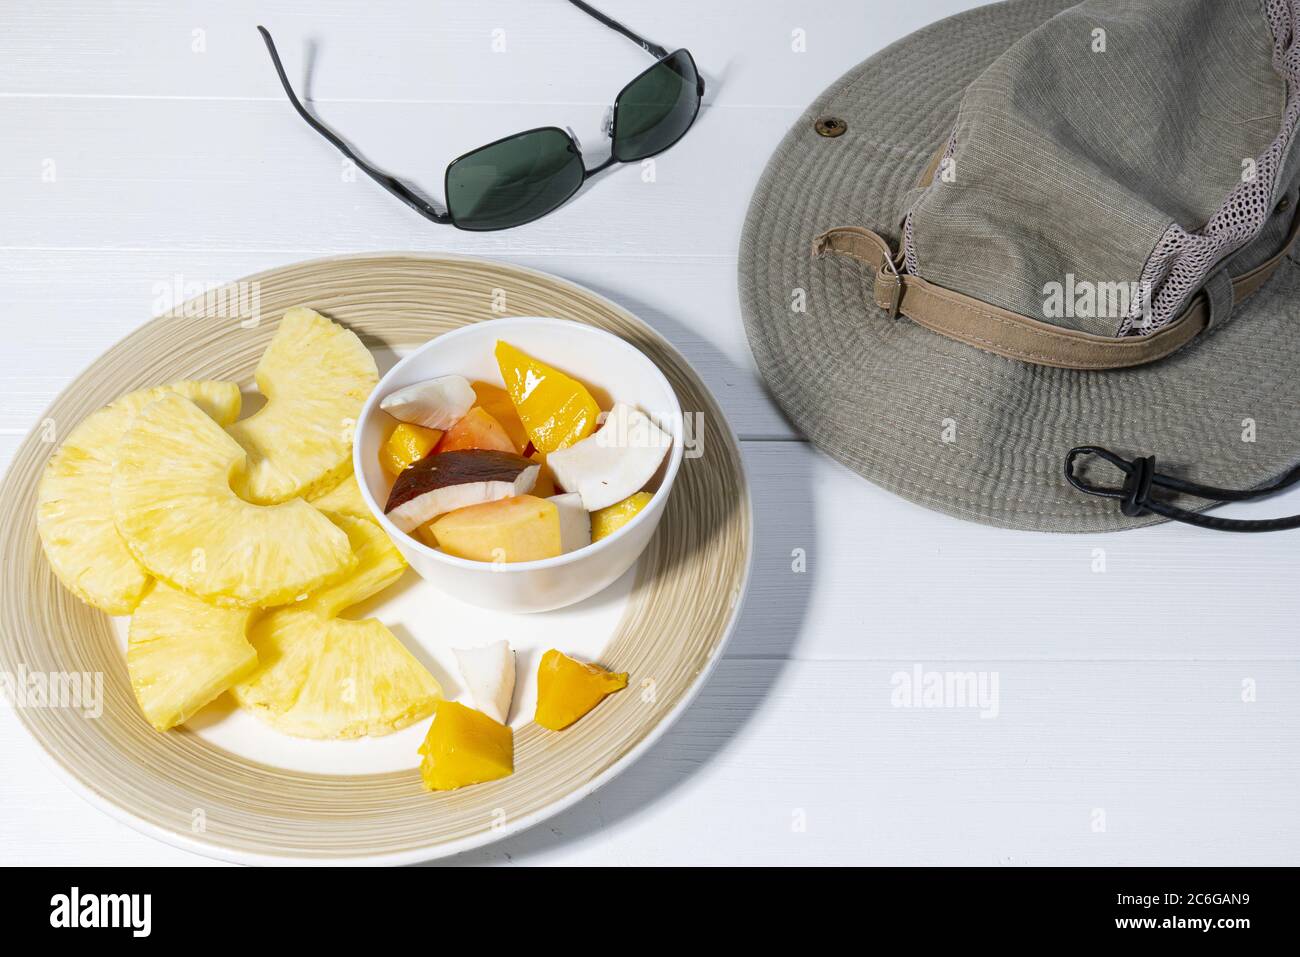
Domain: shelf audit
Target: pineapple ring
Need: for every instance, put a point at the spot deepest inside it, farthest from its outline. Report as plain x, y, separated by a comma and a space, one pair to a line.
315, 375
182, 652
320, 676
73, 515
174, 507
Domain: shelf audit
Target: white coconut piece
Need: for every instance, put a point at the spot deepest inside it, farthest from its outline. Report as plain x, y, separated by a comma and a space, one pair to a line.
614, 462
489, 673
434, 403
575, 521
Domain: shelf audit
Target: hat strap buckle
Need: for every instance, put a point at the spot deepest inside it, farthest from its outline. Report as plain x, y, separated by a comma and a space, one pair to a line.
1136, 495
888, 289
873, 250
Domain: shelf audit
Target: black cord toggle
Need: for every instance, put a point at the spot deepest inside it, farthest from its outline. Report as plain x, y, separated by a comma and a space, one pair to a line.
1136, 496
1100, 490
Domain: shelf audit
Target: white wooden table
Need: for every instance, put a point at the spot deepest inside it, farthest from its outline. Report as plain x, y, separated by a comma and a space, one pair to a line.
1148, 693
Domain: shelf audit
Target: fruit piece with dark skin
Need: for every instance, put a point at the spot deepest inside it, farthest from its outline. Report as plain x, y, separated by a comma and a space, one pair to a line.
446, 481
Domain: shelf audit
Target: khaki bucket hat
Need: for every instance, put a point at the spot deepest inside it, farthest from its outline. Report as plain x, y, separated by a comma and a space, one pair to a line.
1009, 263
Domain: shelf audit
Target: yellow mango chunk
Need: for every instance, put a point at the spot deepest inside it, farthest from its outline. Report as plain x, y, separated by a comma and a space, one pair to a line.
568, 689
519, 529
555, 409
608, 520
406, 446
465, 747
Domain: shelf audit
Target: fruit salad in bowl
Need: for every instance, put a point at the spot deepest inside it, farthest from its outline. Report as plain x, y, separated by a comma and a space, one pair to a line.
520, 464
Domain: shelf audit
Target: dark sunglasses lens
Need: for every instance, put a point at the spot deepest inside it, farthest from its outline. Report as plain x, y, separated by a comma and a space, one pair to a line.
656, 108
514, 181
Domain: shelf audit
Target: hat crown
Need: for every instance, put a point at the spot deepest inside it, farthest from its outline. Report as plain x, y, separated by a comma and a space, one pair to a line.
1113, 159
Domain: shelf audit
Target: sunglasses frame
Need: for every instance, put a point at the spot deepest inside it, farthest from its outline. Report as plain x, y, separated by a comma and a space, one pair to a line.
445, 217
587, 173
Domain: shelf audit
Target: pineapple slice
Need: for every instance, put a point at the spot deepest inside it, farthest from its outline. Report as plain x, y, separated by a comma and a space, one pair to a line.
174, 506
315, 376
73, 515
287, 641
320, 676
182, 652
343, 499
378, 565
335, 678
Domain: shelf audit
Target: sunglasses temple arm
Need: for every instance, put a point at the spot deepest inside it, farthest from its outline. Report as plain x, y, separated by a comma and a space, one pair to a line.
390, 183
654, 49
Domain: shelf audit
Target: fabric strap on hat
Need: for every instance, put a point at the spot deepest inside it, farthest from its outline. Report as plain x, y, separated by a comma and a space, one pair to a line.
1141, 480
1005, 333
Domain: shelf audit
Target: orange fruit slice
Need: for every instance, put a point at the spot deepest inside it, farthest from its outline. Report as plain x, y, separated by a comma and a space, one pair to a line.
556, 409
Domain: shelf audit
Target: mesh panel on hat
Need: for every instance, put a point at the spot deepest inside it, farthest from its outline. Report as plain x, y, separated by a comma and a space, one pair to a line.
1182, 260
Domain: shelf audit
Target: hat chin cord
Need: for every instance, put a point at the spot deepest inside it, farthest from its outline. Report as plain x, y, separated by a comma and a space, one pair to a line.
1141, 480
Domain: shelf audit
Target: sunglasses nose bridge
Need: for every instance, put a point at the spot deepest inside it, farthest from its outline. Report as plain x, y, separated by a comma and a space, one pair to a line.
607, 122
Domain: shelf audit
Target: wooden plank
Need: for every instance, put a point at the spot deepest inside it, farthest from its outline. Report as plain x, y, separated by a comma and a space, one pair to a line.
815, 762
488, 51
250, 176
811, 762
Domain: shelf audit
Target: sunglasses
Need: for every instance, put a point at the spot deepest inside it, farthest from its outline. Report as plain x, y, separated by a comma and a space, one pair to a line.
523, 177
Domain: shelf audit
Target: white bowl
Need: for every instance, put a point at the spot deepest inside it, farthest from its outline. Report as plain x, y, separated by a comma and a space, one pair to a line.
615, 372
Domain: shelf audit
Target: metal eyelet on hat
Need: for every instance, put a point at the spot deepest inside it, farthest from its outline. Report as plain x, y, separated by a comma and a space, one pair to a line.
1283, 204
830, 126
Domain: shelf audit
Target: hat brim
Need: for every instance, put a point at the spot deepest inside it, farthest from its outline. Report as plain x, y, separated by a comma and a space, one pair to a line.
940, 423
